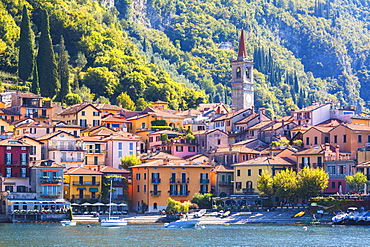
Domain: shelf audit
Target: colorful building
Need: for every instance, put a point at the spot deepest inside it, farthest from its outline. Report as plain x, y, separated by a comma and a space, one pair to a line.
84, 114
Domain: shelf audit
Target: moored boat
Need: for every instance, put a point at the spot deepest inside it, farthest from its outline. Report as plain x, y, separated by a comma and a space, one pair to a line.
182, 224
352, 217
68, 223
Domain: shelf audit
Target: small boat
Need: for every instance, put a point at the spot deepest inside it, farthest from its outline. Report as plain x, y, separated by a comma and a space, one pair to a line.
201, 213
226, 214
300, 214
112, 221
182, 224
68, 223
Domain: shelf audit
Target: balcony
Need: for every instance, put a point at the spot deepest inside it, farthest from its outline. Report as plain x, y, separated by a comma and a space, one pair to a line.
225, 183
155, 193
65, 148
175, 193
86, 183
12, 163
118, 183
50, 196
248, 191
77, 196
18, 195
179, 181
204, 181
95, 151
156, 180
46, 180
71, 160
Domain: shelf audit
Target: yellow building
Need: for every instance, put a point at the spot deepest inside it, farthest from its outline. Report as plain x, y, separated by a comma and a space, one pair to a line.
154, 182
84, 114
246, 173
35, 150
82, 184
107, 108
94, 130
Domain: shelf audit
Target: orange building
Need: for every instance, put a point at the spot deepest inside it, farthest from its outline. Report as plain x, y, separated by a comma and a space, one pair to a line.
154, 182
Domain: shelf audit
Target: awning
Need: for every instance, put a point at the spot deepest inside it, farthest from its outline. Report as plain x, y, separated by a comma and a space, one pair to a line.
81, 188
9, 183
93, 189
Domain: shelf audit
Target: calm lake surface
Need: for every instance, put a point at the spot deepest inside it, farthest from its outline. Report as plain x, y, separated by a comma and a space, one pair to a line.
156, 235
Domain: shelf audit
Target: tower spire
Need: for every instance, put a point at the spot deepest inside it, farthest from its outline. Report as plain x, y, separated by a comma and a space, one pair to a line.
242, 53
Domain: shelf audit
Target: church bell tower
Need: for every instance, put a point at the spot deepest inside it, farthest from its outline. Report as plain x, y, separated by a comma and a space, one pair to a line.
242, 79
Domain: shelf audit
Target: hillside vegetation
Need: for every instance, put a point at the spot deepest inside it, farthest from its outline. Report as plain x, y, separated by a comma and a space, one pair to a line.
303, 50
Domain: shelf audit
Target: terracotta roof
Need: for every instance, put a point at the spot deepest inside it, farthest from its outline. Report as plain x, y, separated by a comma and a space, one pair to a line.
230, 115
76, 108
12, 142
28, 95
247, 119
160, 102
310, 108
27, 137
4, 111
159, 156
42, 163
323, 129
222, 168
260, 125
245, 142
302, 128
36, 124
196, 156
314, 150
170, 164
267, 161
242, 52
137, 116
190, 112
91, 139
105, 106
51, 135
209, 106
103, 132
95, 128
107, 169
276, 126
81, 171
202, 132
68, 126
357, 127
236, 149
161, 113
122, 136
168, 132
111, 118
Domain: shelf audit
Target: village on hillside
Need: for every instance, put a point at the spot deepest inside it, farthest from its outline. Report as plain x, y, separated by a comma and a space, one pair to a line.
52, 156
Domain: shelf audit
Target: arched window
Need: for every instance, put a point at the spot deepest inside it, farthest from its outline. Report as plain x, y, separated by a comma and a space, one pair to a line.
249, 185
238, 72
155, 205
247, 72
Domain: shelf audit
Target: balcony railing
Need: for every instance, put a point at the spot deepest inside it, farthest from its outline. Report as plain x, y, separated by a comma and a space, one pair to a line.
71, 160
77, 196
204, 181
179, 181
248, 191
65, 148
50, 196
95, 152
12, 163
88, 183
175, 193
50, 180
225, 183
156, 180
155, 192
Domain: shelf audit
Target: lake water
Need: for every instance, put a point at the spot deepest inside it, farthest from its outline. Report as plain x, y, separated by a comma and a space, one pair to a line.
157, 235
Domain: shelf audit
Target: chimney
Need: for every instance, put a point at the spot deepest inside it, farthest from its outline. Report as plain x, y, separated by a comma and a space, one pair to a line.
282, 122
99, 168
252, 108
261, 111
204, 162
337, 151
165, 161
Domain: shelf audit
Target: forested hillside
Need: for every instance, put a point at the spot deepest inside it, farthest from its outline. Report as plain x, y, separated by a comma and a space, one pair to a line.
303, 50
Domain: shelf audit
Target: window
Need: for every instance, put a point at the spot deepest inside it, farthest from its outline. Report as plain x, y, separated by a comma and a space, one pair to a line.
238, 73
143, 125
307, 141
223, 178
315, 140
23, 172
339, 185
33, 130
9, 188
131, 146
151, 139
238, 185
93, 180
333, 185
344, 138
120, 145
249, 185
23, 159
326, 139
137, 176
144, 190
249, 172
368, 138
341, 170
8, 172
218, 141
179, 148
83, 113
138, 188
95, 113
96, 122
8, 159
183, 177
335, 139
319, 162
191, 149
238, 173
359, 138
331, 170
259, 171
83, 123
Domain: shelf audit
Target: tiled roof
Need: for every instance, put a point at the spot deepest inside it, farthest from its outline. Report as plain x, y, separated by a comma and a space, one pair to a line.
302, 128
91, 139
51, 135
4, 111
196, 156
202, 132
104, 106
36, 124
81, 171
247, 119
109, 169
75, 108
267, 161
41, 163
357, 127
236, 149
230, 115
222, 168
160, 113
29, 95
168, 132
320, 149
276, 126
190, 112
111, 118
121, 136
159, 156
260, 125
245, 142
160, 102
310, 108
12, 142
103, 132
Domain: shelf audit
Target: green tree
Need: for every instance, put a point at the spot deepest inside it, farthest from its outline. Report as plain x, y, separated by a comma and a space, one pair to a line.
84, 93
285, 184
164, 138
101, 81
125, 101
102, 99
72, 98
46, 64
265, 183
63, 69
35, 87
26, 46
356, 181
141, 104
130, 160
175, 207
203, 200
312, 181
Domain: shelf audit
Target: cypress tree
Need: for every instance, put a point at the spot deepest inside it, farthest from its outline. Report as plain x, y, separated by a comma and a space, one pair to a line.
35, 88
26, 59
46, 64
63, 69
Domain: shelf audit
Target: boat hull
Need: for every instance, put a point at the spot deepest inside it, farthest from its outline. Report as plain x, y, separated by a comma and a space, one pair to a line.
182, 224
113, 223
68, 223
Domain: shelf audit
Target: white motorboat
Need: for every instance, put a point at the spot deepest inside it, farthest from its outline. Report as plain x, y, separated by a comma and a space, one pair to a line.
112, 221
68, 223
182, 224
201, 213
